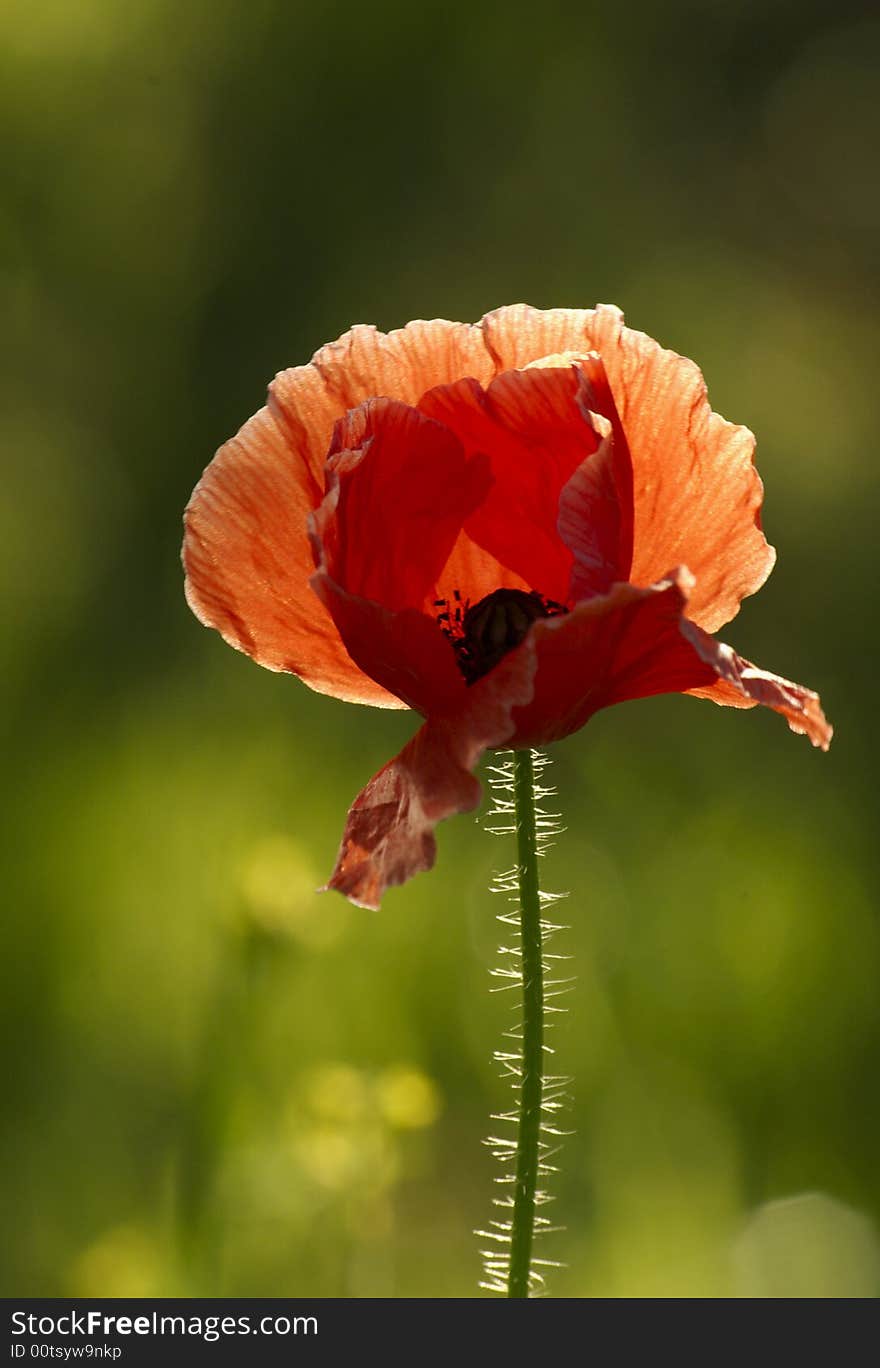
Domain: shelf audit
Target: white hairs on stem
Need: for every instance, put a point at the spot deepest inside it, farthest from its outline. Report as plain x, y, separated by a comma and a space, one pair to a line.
556, 1094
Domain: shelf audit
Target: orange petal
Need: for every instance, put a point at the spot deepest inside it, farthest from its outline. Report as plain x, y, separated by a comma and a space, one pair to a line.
535, 428
589, 522
595, 517
635, 643
399, 489
696, 493
248, 562
404, 652
623, 644
475, 572
517, 334
740, 684
364, 364
246, 549
630, 643
389, 835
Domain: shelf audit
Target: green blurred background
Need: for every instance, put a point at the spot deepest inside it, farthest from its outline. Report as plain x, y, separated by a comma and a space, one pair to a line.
217, 1082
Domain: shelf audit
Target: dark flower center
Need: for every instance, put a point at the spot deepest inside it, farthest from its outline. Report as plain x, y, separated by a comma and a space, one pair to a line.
482, 633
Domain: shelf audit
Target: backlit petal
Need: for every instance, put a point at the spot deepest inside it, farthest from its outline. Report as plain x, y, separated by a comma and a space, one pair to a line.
399, 489
365, 363
246, 549
537, 430
389, 835
740, 684
634, 643
623, 644
247, 559
517, 334
404, 651
696, 492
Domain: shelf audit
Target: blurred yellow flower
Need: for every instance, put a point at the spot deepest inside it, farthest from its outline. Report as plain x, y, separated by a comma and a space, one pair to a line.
408, 1099
339, 1092
278, 885
123, 1262
810, 1245
349, 1158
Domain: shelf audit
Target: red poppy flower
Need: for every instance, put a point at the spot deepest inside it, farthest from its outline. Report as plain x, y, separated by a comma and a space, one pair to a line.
504, 526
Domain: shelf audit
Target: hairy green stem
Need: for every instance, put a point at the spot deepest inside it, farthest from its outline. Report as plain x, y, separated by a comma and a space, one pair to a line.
531, 1090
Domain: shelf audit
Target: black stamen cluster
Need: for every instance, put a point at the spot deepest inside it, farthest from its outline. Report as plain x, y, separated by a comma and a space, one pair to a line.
482, 634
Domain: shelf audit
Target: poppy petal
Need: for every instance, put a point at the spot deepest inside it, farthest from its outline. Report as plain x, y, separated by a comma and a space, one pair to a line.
405, 652
365, 363
623, 644
475, 572
636, 643
740, 684
389, 834
596, 506
246, 549
399, 488
697, 494
536, 428
611, 477
247, 559
518, 334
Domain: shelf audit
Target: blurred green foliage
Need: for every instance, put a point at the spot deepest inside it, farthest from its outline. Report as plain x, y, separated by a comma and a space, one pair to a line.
216, 1081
